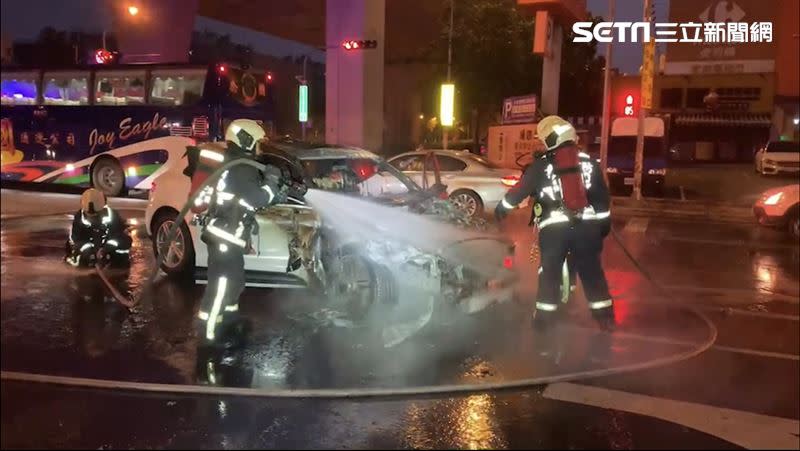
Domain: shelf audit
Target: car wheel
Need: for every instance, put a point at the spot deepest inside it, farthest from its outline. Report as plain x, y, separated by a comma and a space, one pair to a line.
359, 285
179, 255
108, 177
467, 201
794, 226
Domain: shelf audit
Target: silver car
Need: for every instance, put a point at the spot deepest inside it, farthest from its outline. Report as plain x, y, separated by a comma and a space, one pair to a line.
473, 183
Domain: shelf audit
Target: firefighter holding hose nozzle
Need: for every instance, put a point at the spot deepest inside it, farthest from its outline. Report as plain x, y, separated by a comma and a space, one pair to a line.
230, 204
571, 209
98, 234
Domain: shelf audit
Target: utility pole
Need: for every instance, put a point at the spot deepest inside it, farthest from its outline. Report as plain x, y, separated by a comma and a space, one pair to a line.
645, 100
606, 125
449, 64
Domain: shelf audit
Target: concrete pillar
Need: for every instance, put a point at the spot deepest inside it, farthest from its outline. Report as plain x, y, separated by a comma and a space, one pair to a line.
551, 70
354, 78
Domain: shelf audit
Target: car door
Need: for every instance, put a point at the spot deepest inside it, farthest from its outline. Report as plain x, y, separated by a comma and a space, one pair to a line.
450, 168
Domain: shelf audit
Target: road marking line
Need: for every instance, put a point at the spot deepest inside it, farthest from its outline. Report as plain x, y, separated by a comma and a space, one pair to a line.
734, 292
746, 429
737, 311
673, 341
748, 243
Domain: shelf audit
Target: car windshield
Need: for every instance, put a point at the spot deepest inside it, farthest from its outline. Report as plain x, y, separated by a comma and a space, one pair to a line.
784, 146
364, 176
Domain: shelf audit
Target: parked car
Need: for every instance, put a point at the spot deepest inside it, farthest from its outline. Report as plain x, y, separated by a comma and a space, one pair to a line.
778, 157
295, 248
780, 207
473, 184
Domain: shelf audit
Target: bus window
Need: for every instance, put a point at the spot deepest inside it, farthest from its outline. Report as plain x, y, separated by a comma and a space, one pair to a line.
66, 88
18, 88
120, 88
177, 87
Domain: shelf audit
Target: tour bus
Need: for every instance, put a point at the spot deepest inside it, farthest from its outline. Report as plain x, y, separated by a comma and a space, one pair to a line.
108, 126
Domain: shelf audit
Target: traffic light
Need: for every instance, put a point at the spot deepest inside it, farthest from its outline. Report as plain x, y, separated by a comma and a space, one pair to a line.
628, 105
352, 44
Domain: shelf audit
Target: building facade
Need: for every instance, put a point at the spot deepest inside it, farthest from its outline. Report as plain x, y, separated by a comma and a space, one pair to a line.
723, 100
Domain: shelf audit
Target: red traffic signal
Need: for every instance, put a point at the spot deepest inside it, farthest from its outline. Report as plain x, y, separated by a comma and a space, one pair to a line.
628, 105
352, 44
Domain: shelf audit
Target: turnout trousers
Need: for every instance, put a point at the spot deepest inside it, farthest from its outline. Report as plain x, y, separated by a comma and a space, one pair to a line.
582, 241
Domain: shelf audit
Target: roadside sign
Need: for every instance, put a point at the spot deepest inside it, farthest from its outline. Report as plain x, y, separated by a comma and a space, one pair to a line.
302, 104
520, 109
446, 106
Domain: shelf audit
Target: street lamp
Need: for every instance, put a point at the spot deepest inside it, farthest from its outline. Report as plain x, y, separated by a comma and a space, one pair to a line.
133, 10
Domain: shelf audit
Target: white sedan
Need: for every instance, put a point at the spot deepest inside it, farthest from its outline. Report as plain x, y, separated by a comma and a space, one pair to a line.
778, 157
472, 182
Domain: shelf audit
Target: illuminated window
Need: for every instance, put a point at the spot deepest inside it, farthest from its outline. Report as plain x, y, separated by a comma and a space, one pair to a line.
120, 88
177, 87
66, 88
19, 88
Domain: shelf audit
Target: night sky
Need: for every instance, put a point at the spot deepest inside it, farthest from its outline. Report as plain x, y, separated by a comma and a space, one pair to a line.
22, 19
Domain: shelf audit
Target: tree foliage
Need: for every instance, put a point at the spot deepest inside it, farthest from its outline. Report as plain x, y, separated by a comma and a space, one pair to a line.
53, 48
208, 47
492, 59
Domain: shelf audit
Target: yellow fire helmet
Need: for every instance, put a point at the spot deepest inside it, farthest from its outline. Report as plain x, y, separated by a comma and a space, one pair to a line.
92, 201
555, 131
245, 133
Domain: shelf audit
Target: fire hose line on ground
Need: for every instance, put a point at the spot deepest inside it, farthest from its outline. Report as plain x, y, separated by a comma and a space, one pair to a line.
429, 390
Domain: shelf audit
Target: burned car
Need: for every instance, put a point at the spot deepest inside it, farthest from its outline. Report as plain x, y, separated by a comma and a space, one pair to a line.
359, 269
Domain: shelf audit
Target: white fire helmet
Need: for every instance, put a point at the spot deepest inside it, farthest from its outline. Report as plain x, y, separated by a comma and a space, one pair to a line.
555, 131
92, 201
245, 133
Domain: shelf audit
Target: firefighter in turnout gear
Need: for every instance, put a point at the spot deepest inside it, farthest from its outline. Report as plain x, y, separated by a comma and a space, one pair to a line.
571, 209
230, 206
97, 234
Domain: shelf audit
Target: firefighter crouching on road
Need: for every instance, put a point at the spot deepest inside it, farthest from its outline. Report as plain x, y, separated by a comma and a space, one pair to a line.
97, 234
571, 209
227, 228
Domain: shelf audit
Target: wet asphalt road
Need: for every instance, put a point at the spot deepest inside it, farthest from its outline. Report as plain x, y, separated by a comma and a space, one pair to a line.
56, 320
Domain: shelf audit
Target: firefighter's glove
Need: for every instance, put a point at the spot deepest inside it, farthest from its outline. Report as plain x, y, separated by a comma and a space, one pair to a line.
296, 190
272, 178
500, 212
